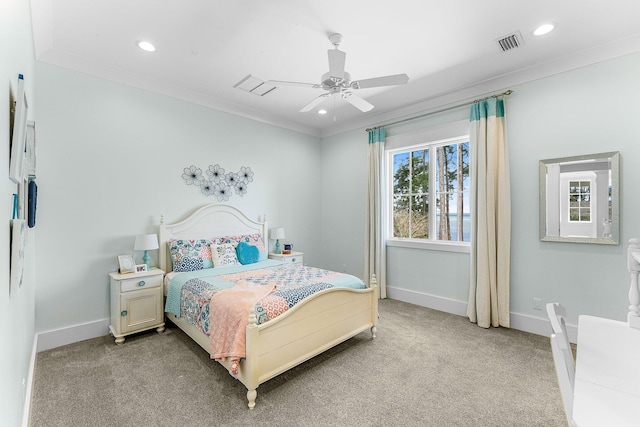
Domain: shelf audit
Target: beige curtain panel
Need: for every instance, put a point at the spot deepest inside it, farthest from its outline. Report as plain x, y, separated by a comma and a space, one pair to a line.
491, 222
375, 252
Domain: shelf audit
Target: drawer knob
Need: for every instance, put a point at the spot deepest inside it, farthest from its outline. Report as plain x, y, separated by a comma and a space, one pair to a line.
141, 283
293, 260
123, 313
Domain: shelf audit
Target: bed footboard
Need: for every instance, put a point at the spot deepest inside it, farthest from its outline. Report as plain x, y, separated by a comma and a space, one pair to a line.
326, 319
322, 321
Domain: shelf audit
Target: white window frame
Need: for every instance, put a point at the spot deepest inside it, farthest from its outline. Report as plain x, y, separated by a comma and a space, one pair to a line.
445, 135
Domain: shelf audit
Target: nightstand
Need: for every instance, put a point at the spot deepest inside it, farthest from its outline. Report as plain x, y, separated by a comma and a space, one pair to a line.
136, 303
292, 258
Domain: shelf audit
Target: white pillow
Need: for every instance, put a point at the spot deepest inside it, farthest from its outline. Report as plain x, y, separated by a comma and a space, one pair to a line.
223, 255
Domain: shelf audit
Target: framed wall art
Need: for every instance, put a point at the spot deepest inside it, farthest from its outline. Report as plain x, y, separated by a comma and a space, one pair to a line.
18, 237
18, 139
30, 151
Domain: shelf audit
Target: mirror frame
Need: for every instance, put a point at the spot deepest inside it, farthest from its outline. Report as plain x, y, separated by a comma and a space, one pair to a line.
615, 200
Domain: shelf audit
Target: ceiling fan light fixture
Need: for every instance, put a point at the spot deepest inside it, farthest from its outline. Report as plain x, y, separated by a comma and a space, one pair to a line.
146, 46
543, 29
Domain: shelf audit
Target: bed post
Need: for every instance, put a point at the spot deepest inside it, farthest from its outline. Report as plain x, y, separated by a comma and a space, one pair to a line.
162, 256
251, 375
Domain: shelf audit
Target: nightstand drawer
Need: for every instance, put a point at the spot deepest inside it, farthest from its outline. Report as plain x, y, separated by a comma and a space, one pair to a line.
293, 259
137, 283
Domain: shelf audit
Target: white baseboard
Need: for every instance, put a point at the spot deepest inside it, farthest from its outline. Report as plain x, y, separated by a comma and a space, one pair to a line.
26, 411
521, 322
430, 301
71, 334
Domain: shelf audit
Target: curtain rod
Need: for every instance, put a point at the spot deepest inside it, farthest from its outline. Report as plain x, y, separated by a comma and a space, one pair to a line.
453, 107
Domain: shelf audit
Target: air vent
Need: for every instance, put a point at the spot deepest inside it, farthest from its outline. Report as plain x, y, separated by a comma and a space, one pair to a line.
511, 41
254, 85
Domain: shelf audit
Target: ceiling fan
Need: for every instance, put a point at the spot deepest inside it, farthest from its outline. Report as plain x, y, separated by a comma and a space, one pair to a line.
337, 81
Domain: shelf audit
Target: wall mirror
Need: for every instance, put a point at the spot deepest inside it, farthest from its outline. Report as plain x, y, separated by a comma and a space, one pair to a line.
580, 199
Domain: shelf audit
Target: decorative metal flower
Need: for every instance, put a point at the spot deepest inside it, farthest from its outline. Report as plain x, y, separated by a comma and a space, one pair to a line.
207, 188
246, 174
216, 173
232, 179
219, 184
241, 188
222, 191
192, 175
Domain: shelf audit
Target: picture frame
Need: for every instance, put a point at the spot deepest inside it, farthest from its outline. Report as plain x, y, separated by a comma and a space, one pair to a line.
126, 264
30, 151
141, 268
18, 238
18, 139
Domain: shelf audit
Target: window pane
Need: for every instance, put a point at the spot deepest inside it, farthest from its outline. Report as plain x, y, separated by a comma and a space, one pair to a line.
574, 214
420, 171
401, 175
452, 183
420, 217
401, 219
574, 187
585, 215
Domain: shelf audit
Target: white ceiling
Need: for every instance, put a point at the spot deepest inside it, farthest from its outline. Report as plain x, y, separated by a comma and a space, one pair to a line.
448, 48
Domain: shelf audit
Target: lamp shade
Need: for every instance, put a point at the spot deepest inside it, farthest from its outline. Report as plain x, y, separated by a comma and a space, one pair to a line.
277, 233
145, 242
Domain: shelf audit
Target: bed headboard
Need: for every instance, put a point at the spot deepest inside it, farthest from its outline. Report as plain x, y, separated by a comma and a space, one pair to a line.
207, 222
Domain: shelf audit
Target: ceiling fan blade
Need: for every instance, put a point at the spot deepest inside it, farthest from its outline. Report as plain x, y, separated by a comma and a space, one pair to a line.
336, 63
396, 79
297, 84
313, 103
357, 102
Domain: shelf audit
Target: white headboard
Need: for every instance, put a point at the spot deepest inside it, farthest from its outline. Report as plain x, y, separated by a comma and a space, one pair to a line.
207, 222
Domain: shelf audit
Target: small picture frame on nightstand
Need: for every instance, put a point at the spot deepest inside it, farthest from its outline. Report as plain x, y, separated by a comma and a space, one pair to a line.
126, 264
141, 268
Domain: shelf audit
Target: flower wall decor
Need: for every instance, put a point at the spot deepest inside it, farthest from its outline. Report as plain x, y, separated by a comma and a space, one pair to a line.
218, 182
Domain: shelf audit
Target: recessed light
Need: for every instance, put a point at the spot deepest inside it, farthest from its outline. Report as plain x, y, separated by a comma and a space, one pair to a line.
543, 29
322, 111
147, 46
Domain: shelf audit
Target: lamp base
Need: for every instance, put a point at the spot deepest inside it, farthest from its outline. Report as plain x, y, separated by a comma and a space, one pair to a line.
277, 250
145, 259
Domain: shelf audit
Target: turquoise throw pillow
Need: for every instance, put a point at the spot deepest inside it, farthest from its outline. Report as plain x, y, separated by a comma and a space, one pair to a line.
247, 254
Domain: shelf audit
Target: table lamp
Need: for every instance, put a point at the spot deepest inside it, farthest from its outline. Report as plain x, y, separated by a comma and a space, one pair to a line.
146, 243
277, 234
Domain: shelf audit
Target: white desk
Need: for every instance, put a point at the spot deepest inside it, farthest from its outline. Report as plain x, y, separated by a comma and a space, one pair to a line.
607, 384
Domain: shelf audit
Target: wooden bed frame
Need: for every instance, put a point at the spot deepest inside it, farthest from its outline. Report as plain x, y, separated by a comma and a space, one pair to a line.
316, 324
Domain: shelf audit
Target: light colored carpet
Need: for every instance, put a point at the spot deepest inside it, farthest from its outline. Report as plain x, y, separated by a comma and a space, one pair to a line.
425, 368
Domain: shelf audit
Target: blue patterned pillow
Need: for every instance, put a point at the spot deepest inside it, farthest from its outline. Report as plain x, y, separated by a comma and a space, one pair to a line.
184, 251
247, 253
188, 264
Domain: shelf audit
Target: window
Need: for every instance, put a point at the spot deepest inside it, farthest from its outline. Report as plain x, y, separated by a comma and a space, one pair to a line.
579, 201
429, 192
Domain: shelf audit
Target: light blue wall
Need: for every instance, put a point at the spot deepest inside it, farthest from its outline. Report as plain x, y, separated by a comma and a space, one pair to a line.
16, 314
110, 160
343, 194
589, 110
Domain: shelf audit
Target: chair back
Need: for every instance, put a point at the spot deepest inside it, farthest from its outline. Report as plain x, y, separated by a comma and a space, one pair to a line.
562, 356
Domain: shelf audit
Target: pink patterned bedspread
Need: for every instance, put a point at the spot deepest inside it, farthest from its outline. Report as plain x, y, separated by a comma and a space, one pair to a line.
293, 283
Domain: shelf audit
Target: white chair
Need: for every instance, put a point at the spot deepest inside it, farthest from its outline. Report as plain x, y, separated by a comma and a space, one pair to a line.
562, 357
